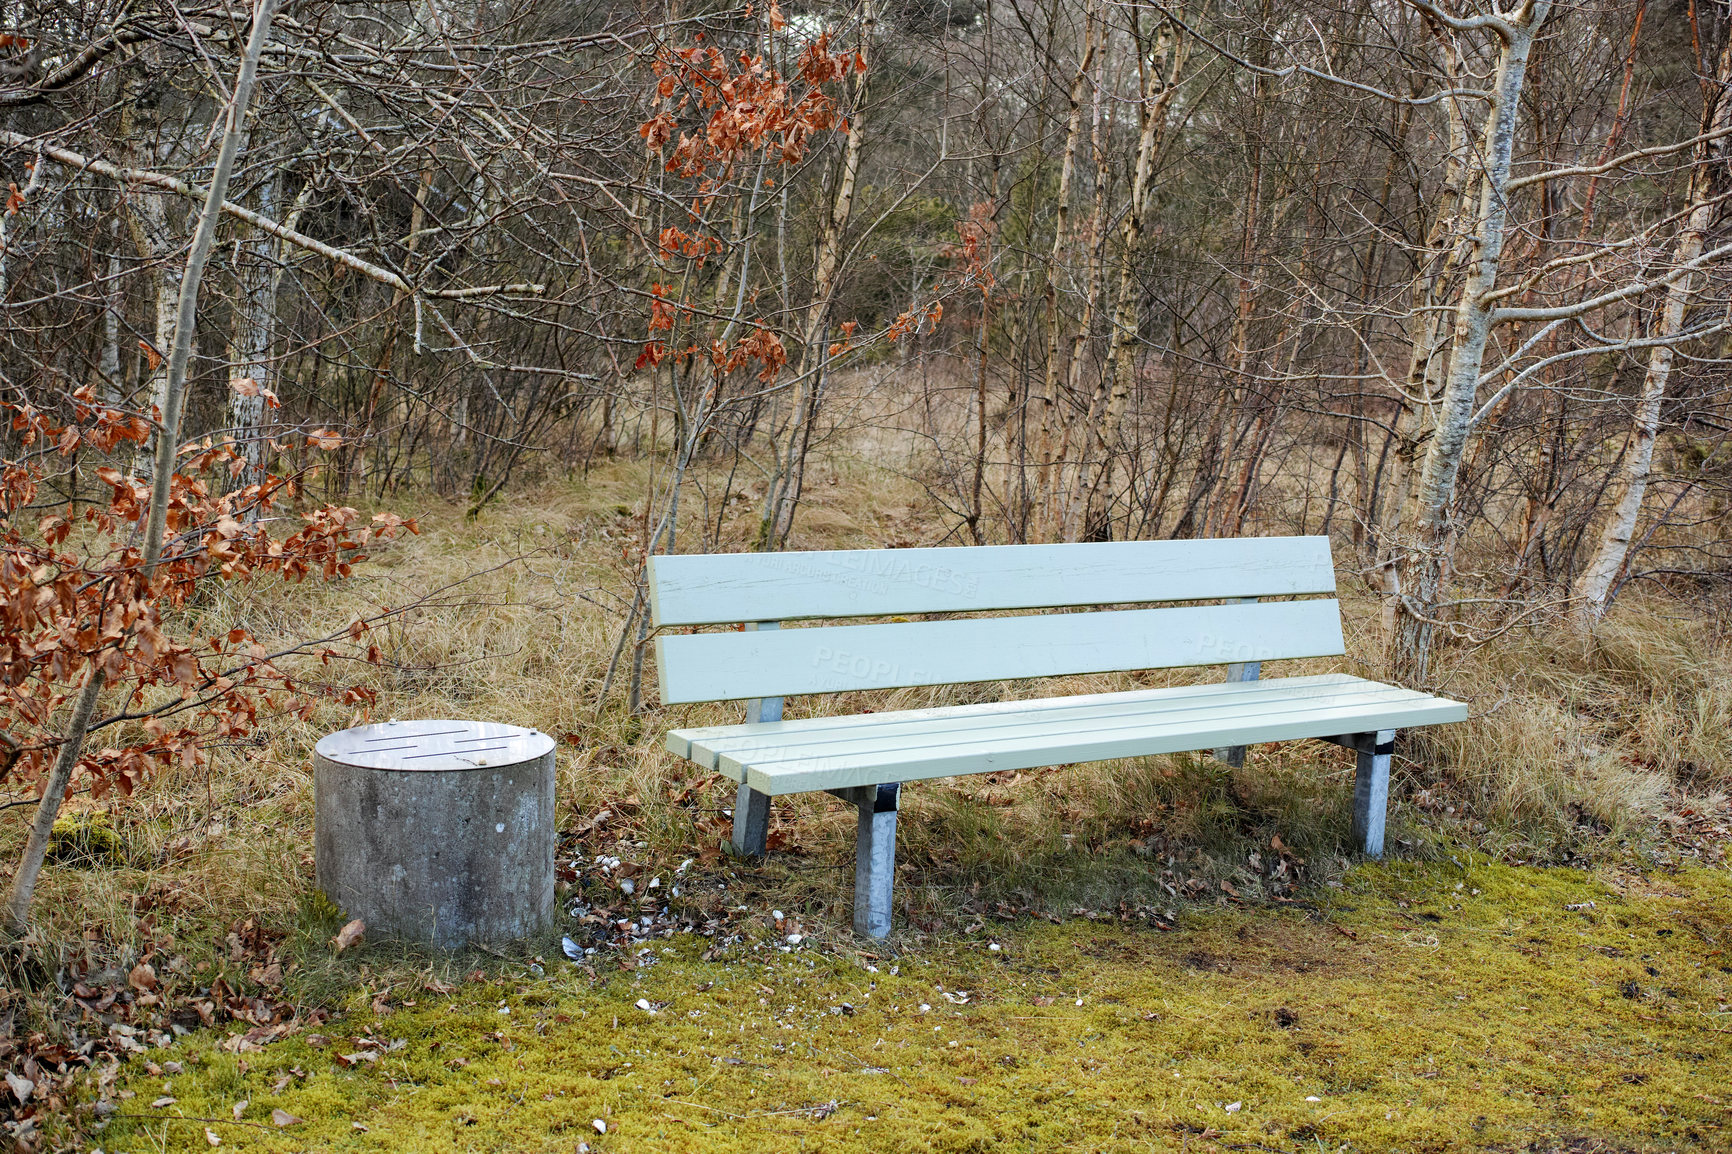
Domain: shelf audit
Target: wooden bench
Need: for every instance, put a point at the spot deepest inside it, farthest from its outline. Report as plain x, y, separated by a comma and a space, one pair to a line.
865, 758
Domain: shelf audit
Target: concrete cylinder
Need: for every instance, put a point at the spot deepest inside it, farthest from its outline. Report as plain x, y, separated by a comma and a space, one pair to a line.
437, 831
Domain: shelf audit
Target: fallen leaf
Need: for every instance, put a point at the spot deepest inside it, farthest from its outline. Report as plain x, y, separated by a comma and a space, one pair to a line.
349, 935
239, 1108
142, 977
165, 1100
20, 1086
281, 1117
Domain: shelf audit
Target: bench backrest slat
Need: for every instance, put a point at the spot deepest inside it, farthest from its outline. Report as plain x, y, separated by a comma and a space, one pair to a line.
837, 658
723, 588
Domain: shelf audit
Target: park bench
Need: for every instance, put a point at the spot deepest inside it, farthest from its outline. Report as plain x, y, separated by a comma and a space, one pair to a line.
865, 758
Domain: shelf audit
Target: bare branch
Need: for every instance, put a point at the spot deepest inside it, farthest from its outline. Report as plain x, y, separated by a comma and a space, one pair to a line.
264, 224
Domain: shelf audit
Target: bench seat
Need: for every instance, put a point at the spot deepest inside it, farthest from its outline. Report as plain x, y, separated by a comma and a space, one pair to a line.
829, 753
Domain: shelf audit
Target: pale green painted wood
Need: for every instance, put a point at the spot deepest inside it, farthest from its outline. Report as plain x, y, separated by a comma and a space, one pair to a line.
723, 588
679, 740
838, 658
778, 760
1059, 721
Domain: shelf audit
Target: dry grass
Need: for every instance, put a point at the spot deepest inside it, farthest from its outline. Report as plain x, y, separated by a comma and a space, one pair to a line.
1614, 746
1578, 745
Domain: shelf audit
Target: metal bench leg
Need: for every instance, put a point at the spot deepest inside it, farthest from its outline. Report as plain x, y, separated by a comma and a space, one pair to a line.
1371, 789
875, 860
751, 808
751, 821
1234, 755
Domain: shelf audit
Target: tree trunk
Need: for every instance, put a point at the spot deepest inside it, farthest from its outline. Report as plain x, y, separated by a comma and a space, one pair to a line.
1428, 558
1159, 57
167, 443
1055, 360
1593, 589
783, 493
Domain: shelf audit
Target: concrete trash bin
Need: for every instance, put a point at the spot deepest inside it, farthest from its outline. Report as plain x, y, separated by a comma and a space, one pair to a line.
437, 831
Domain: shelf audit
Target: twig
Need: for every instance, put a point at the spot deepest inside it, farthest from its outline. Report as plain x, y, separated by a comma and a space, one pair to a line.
758, 1113
262, 223
185, 1118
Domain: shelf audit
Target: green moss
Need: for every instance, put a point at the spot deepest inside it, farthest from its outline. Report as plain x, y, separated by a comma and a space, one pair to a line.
87, 841
1430, 1007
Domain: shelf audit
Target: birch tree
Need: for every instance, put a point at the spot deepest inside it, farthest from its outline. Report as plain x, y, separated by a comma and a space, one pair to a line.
167, 444
1421, 587
1595, 587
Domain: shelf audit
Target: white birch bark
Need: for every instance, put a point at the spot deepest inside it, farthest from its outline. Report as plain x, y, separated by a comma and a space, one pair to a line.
1160, 57
1438, 267
1594, 588
250, 359
114, 308
1427, 560
1055, 364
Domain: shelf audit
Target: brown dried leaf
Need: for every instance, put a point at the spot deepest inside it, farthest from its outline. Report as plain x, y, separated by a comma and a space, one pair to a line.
281, 1117
349, 935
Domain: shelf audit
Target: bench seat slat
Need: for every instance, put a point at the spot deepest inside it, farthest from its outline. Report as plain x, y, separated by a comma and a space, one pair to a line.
782, 762
680, 741
838, 658
1054, 733
761, 744
723, 588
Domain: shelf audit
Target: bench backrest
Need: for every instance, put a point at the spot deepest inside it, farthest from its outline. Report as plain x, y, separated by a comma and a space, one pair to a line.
764, 588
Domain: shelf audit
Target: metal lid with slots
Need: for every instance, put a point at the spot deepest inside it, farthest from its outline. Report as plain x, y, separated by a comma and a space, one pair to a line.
438, 746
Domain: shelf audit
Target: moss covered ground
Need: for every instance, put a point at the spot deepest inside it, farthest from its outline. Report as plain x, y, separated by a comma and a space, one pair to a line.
1420, 1007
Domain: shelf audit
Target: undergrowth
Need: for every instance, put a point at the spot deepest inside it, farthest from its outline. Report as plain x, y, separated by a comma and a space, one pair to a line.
1609, 751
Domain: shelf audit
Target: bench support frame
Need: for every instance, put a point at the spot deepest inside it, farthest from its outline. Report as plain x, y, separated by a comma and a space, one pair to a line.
874, 855
1234, 755
751, 808
1370, 786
